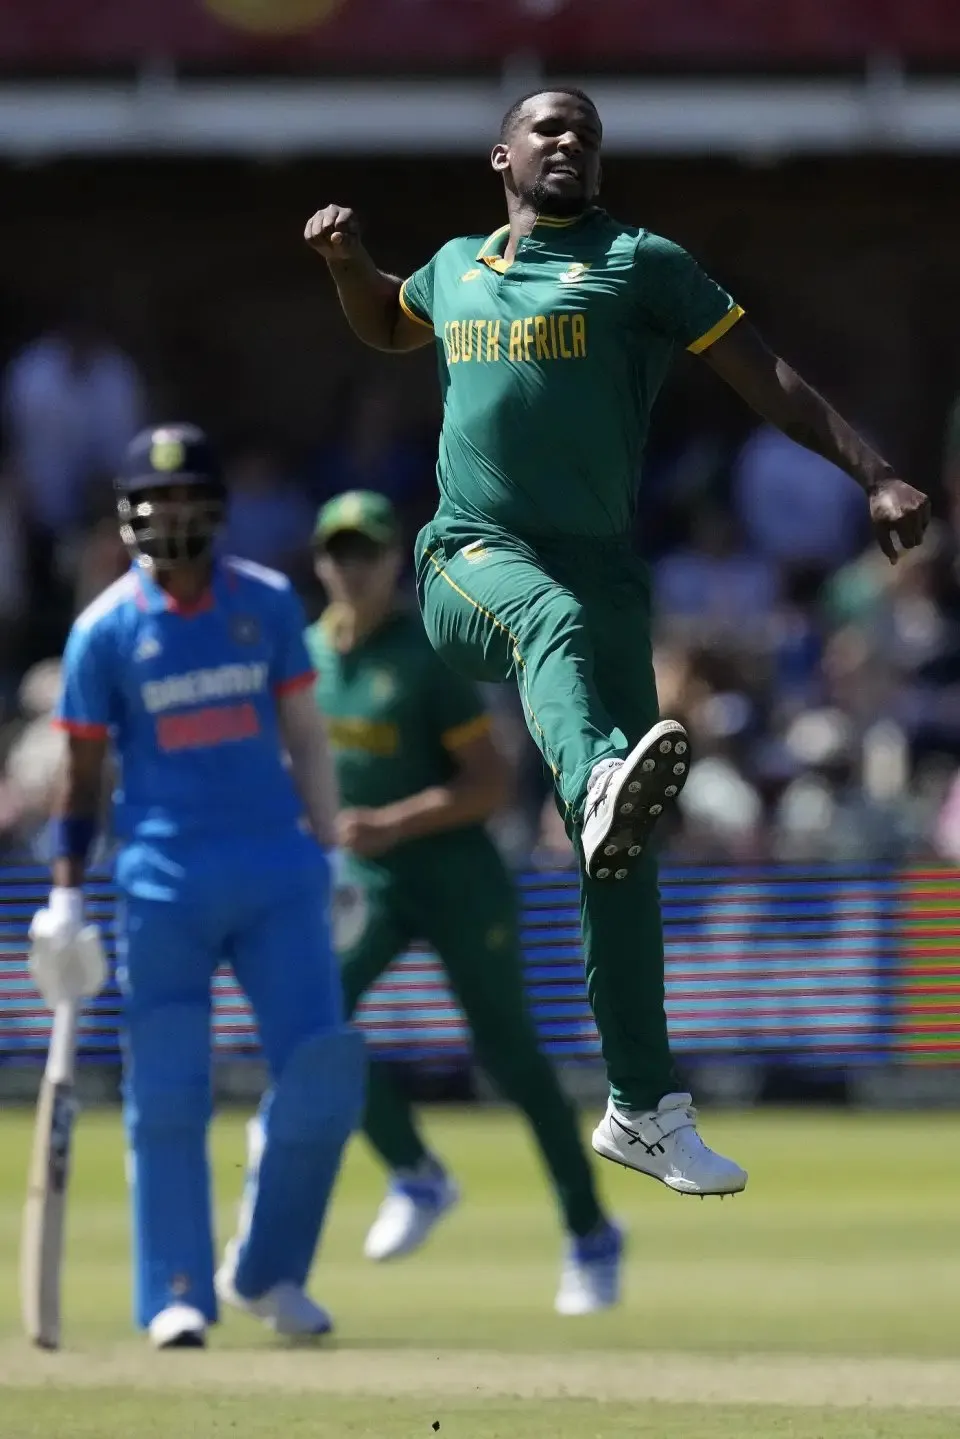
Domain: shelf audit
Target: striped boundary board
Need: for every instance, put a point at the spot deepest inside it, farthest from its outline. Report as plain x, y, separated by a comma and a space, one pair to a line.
801, 966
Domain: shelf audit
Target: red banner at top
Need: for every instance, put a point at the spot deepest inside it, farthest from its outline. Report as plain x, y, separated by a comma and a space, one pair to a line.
435, 34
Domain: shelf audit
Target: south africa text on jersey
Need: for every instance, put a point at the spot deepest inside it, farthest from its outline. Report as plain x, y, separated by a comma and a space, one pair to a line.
560, 336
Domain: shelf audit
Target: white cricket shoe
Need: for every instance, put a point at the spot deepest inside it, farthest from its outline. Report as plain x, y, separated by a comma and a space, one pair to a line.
664, 1144
286, 1308
590, 1279
179, 1326
626, 797
416, 1201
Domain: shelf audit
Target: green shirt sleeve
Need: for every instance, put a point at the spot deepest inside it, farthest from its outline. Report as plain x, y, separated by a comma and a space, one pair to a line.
454, 706
677, 298
416, 294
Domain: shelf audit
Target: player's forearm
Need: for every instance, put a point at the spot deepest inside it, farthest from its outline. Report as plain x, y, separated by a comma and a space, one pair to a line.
443, 807
76, 811
311, 765
316, 783
370, 300
780, 395
803, 414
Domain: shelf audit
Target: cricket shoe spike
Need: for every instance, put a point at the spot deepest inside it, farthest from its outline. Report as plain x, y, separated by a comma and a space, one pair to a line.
416, 1202
286, 1308
664, 1144
590, 1279
179, 1326
626, 797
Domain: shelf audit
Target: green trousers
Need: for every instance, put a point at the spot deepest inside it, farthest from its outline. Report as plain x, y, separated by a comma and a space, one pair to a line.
454, 893
571, 624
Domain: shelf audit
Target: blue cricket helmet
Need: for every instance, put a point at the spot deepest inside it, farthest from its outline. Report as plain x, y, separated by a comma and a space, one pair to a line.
171, 496
169, 455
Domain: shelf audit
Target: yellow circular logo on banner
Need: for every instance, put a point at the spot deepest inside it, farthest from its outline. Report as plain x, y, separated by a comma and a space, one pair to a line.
273, 17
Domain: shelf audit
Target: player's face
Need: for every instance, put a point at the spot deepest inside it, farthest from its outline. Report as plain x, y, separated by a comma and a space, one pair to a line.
172, 525
357, 571
552, 159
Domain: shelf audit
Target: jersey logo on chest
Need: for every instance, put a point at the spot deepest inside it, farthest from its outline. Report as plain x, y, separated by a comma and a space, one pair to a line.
383, 686
244, 629
576, 272
147, 649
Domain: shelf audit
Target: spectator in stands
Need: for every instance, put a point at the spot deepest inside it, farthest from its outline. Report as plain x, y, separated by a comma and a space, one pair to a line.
371, 450
33, 765
947, 830
899, 651
828, 812
13, 586
71, 400
103, 557
713, 586
794, 507
269, 517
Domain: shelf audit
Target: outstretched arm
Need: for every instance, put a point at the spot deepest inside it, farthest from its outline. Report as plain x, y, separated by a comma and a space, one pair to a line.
899, 513
370, 298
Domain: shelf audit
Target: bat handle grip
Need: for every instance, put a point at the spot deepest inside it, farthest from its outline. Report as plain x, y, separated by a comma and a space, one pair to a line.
63, 1042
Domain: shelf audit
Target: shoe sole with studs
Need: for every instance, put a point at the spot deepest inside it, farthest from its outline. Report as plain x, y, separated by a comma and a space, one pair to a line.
652, 776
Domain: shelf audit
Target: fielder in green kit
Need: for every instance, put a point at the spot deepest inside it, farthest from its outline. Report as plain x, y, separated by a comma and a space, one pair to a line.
418, 775
553, 336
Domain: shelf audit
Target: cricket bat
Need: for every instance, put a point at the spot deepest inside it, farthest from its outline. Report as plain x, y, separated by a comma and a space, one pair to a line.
41, 1240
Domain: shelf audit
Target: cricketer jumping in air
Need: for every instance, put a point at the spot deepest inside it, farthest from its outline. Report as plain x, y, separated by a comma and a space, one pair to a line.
553, 336
194, 674
418, 774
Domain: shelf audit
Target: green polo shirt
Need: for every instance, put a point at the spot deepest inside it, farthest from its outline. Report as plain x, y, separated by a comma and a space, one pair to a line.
395, 714
549, 367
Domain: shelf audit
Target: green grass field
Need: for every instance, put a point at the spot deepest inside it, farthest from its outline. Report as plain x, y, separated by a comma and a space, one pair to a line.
824, 1302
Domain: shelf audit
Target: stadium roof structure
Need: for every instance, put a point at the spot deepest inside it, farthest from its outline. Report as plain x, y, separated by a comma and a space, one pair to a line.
762, 119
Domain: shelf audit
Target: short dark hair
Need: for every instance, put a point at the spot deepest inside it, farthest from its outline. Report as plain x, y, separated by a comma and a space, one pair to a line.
508, 123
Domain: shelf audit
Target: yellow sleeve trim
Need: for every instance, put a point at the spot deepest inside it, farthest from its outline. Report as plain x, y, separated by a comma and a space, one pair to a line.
411, 313
717, 331
467, 732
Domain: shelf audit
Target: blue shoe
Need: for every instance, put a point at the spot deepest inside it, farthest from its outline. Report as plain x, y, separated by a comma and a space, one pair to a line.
590, 1280
416, 1201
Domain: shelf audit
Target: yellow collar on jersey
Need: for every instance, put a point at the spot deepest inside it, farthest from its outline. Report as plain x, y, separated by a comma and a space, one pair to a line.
490, 252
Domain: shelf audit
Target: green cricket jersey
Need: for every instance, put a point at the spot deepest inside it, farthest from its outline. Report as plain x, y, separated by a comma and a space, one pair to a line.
549, 367
395, 714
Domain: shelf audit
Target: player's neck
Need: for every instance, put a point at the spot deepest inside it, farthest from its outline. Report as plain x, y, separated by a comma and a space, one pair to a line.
523, 216
352, 624
186, 584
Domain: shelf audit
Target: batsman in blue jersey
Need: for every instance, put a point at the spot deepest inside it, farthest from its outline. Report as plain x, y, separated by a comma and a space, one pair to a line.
193, 672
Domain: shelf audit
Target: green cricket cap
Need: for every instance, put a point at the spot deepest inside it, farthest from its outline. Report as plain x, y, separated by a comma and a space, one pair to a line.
362, 512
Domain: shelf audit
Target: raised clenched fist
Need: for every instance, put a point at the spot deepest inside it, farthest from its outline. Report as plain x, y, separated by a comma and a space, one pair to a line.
334, 232
900, 516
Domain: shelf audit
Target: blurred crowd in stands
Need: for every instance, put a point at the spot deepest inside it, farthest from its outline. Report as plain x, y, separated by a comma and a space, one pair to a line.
821, 685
